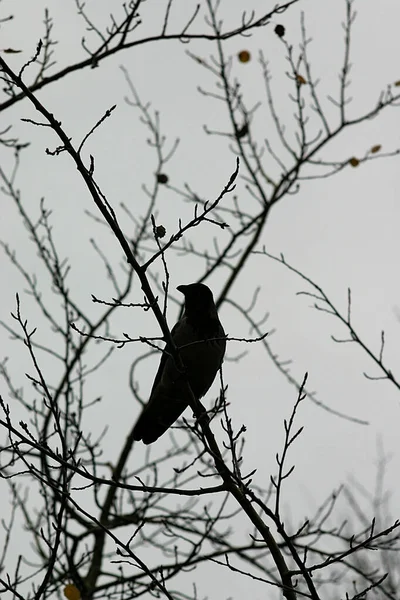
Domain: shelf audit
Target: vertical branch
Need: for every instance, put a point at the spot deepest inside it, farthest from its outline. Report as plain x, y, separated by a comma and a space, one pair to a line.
344, 83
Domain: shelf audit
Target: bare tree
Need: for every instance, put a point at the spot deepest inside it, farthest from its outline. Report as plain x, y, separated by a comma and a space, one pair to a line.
120, 522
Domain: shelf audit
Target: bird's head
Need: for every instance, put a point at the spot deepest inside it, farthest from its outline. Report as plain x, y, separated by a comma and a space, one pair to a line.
199, 301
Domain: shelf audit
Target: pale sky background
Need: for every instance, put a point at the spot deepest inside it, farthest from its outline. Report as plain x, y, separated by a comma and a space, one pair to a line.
342, 232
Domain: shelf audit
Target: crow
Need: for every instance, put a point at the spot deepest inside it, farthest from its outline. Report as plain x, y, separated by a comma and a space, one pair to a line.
200, 339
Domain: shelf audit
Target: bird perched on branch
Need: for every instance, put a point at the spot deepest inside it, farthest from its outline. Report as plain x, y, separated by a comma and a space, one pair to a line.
200, 339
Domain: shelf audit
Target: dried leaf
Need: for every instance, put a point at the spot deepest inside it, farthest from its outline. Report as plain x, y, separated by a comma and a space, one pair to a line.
244, 56
376, 148
300, 79
354, 162
71, 592
243, 131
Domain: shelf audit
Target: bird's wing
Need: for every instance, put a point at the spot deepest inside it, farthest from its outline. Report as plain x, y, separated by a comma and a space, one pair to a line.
167, 398
166, 354
170, 395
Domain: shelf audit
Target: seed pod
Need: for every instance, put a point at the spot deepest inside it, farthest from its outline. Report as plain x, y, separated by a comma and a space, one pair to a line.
162, 178
160, 231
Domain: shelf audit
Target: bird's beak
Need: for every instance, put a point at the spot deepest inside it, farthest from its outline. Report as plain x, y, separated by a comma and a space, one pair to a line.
182, 289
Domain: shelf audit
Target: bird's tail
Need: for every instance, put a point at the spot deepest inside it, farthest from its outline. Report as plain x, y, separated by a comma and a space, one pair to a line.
160, 413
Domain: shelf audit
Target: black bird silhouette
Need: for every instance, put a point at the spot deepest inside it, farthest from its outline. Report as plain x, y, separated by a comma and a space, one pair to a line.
200, 339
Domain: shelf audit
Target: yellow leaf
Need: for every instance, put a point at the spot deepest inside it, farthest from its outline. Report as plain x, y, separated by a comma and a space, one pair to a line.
71, 592
300, 79
244, 56
376, 148
354, 161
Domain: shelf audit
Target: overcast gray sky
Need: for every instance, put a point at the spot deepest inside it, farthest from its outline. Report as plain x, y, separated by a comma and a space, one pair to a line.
342, 231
